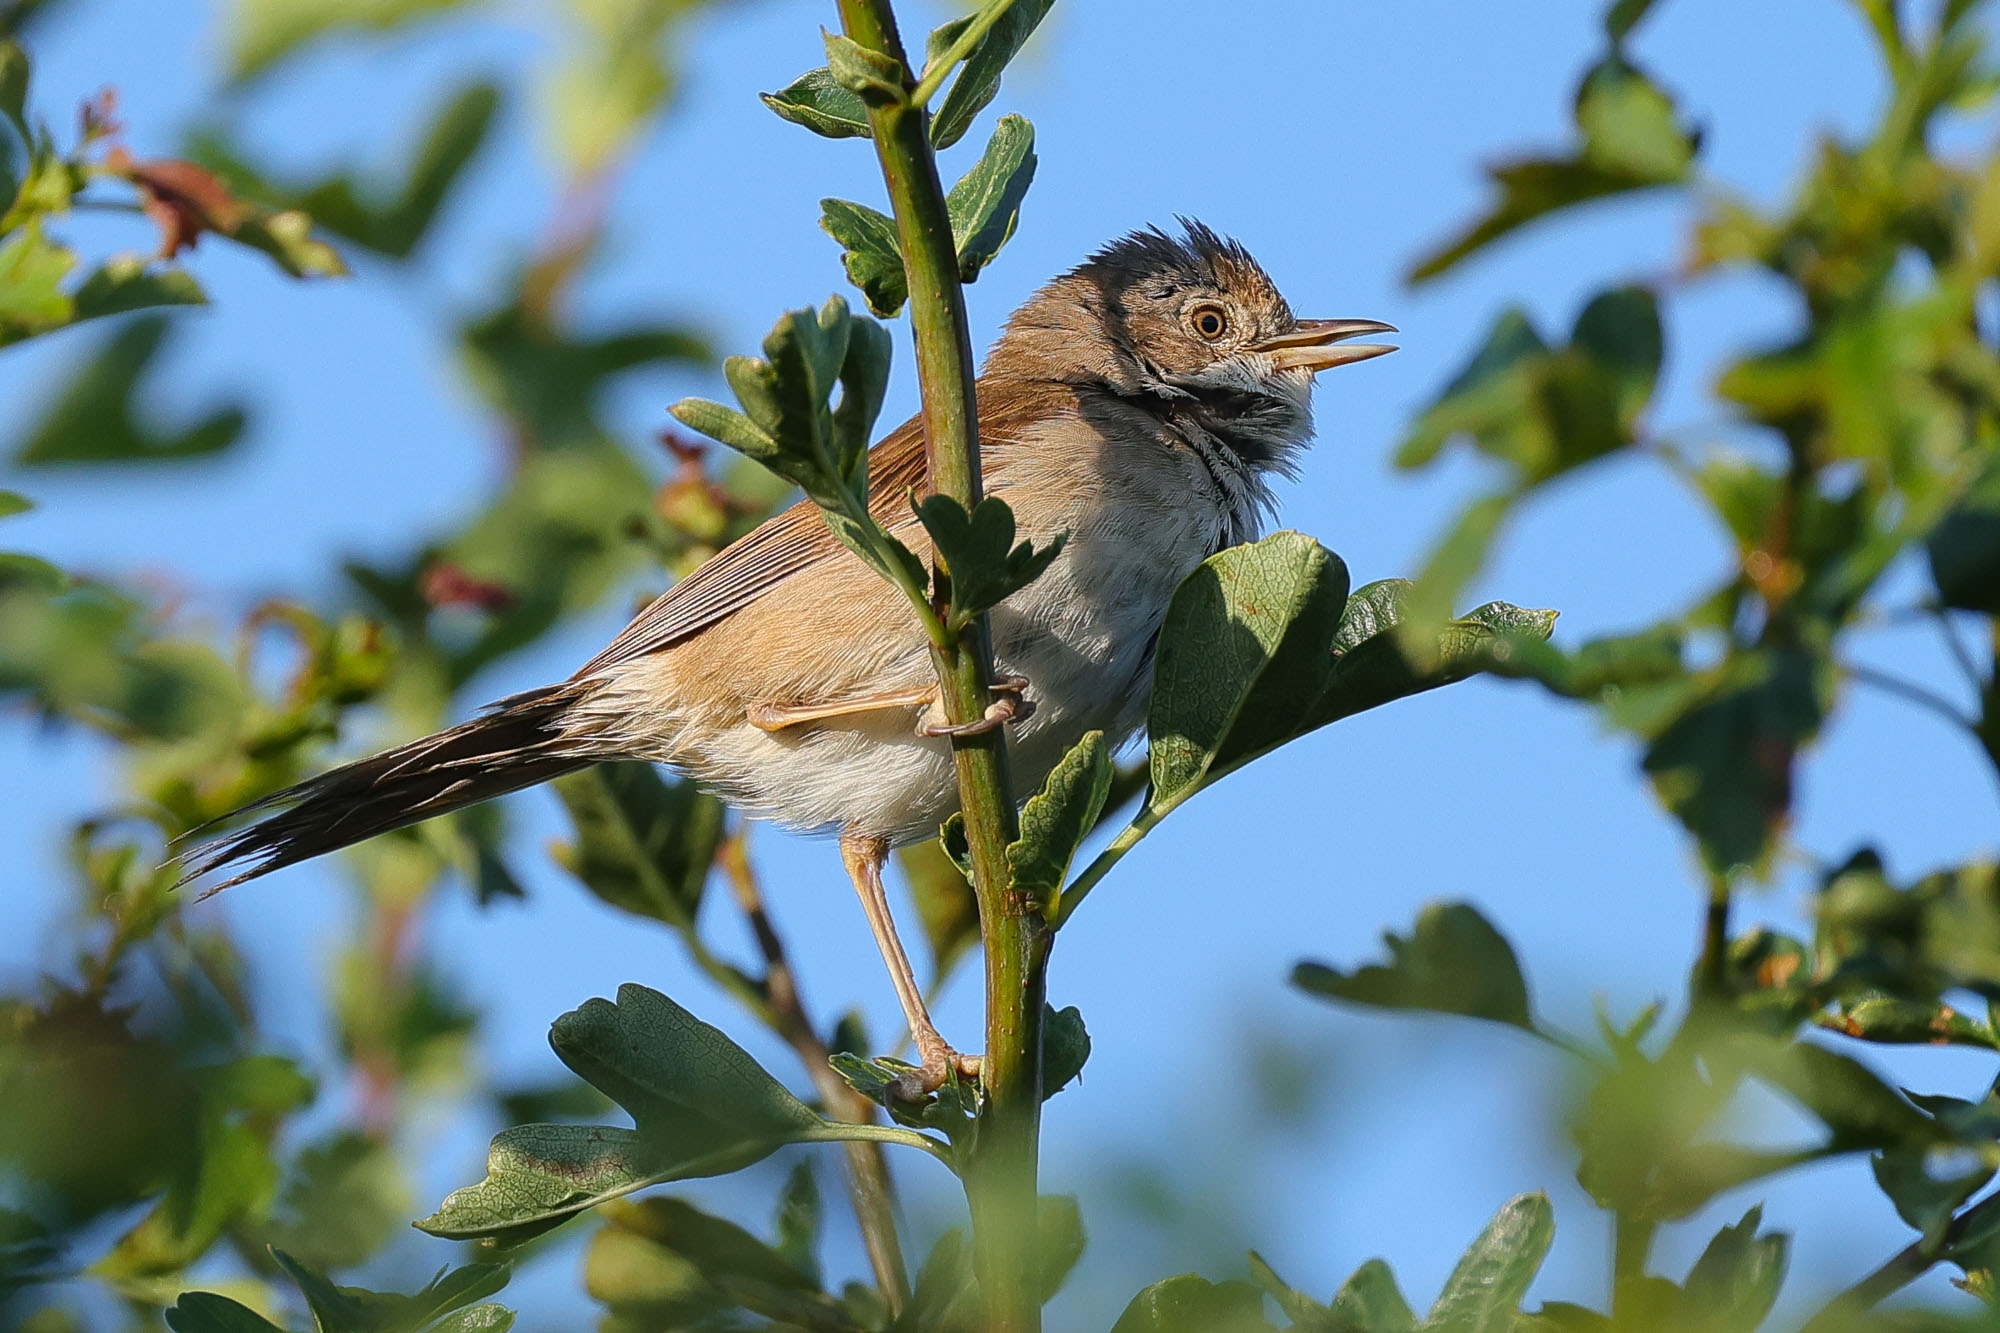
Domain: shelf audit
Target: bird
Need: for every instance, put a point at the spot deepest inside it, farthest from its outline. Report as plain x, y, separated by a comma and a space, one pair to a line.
1141, 405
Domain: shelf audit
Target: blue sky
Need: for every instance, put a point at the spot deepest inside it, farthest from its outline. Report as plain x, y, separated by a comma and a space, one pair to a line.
1337, 141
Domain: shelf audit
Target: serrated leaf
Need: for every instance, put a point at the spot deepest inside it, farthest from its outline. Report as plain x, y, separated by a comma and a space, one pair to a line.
1065, 1048
1734, 1283
1056, 819
985, 204
642, 843
979, 552
979, 79
1483, 1293
1370, 1300
871, 254
1454, 962
339, 1309
818, 102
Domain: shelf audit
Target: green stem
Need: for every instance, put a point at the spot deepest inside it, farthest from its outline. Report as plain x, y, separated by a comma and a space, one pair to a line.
1128, 838
1001, 1175
1905, 1267
1632, 1243
940, 69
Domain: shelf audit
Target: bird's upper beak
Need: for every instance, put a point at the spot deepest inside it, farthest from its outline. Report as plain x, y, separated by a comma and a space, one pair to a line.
1317, 344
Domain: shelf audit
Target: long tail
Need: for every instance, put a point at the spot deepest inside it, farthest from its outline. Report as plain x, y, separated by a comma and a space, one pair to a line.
516, 743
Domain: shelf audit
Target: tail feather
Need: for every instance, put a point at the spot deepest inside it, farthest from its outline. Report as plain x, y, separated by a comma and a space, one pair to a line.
517, 743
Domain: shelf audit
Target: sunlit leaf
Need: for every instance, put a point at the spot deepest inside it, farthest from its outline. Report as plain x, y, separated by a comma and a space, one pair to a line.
1483, 1293
1190, 1304
979, 78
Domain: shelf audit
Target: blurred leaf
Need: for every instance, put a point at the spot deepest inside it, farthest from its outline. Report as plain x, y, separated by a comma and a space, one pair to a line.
985, 205
1860, 1111
1190, 1304
97, 417
344, 1199
1302, 1310
1964, 548
642, 843
358, 1310
206, 1312
873, 257
1483, 1293
817, 102
1734, 1283
799, 1222
390, 219
121, 285
14, 77
1629, 139
230, 1175
32, 300
662, 1261
1370, 1300
266, 31
979, 78
1623, 16
980, 556
1455, 962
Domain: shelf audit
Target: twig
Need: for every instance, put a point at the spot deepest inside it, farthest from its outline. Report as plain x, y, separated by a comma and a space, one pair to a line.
868, 1182
1910, 691
1905, 1267
1001, 1178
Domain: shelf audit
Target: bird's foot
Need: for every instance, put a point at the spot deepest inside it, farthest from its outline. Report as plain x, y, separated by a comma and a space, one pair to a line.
1010, 704
940, 1063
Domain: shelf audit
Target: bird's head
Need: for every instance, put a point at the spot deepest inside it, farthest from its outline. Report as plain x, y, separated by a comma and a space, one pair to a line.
1189, 319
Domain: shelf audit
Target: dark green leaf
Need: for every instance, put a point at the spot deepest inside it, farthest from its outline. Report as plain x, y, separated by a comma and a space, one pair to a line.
1409, 657
978, 551
1623, 16
1454, 962
13, 502
1065, 1047
14, 72
339, 1309
122, 285
345, 1198
1059, 1240
1857, 1107
1964, 548
817, 102
873, 257
1190, 1304
799, 1220
96, 418
1056, 819
1483, 1293
686, 1085
206, 1312
985, 205
979, 79
1734, 1283
643, 843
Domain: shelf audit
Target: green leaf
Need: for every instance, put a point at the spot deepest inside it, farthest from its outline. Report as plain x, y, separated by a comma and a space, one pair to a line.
1370, 1300
1964, 548
339, 1309
686, 1085
978, 551
14, 75
1301, 1309
1065, 1048
642, 843
985, 205
539, 1176
1056, 819
799, 1222
1454, 962
1483, 1293
475, 1319
206, 1312
1394, 656
1243, 655
872, 255
13, 502
1859, 1110
231, 1176
1190, 1304
817, 102
979, 79
120, 286
96, 418
665, 1262
286, 236
875, 78
345, 1198
263, 32
32, 300
1623, 16
1734, 1283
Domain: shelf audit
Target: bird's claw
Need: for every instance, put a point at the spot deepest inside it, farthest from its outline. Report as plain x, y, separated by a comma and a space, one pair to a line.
1010, 704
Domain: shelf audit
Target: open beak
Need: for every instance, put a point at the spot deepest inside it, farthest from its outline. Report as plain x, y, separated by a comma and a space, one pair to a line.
1319, 344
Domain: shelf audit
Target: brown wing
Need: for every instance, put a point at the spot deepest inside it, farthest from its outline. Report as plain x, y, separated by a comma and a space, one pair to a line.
773, 551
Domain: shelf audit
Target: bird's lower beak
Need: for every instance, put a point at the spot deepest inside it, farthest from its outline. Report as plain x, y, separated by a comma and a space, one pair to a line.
1319, 344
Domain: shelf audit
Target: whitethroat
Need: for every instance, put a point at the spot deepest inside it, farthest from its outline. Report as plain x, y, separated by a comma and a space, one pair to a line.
1140, 403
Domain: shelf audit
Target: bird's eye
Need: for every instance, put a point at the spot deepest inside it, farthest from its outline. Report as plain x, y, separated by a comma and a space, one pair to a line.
1209, 321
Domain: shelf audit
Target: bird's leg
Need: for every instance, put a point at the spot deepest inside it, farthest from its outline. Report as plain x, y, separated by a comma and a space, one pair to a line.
776, 717
864, 857
1009, 704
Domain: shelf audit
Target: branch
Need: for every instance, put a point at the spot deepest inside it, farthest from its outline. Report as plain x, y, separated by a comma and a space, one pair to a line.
1907, 1265
1910, 691
1001, 1179
868, 1182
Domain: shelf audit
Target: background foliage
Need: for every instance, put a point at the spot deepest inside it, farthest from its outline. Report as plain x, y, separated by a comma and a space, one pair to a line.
160, 1133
